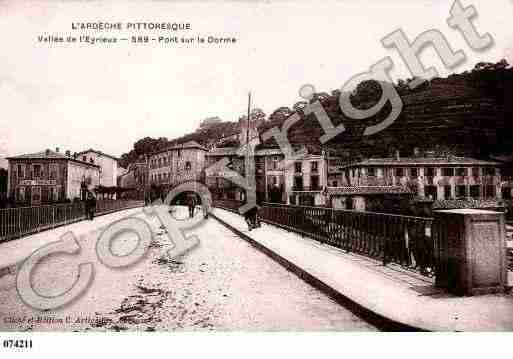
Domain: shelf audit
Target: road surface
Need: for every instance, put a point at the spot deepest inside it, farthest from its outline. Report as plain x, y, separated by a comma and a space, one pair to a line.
223, 284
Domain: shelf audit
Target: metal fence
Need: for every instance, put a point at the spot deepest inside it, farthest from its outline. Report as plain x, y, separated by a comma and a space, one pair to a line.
19, 222
404, 240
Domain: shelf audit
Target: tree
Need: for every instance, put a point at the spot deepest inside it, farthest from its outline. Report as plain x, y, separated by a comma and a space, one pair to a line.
256, 114
299, 106
209, 122
280, 114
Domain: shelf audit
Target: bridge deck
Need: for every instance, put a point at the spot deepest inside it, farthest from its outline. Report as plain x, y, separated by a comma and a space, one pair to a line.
391, 292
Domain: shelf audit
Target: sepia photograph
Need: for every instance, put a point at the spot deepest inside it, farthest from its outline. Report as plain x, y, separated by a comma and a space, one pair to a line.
255, 166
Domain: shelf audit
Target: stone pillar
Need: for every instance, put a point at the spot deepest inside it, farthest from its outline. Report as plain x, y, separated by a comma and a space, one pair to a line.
470, 251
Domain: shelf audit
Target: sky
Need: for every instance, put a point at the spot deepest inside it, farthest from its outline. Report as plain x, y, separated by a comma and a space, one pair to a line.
78, 96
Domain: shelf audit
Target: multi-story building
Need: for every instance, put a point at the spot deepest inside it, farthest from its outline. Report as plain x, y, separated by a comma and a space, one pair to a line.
305, 181
219, 182
50, 176
426, 178
177, 164
441, 178
269, 176
109, 168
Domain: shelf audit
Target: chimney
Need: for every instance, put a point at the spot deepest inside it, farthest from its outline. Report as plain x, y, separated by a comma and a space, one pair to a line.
47, 152
416, 152
397, 155
56, 149
68, 153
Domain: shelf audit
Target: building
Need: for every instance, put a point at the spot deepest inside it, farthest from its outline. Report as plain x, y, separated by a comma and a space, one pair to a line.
269, 176
134, 179
50, 176
109, 167
219, 182
305, 181
447, 181
177, 164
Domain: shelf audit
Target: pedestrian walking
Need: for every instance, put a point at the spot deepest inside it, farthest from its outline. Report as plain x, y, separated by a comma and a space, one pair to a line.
191, 202
90, 206
251, 217
206, 206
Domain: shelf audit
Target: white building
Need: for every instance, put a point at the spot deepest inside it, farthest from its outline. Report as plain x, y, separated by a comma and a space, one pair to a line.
109, 168
305, 181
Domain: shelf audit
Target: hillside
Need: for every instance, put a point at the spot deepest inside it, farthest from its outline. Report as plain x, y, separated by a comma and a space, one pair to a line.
469, 113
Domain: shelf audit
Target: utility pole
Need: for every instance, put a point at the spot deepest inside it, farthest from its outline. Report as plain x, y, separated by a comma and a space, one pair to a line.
249, 111
249, 162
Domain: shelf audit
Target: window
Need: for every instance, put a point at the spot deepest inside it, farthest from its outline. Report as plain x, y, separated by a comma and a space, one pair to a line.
36, 194
506, 192
179, 153
274, 163
297, 167
430, 172
474, 191
84, 158
371, 171
461, 191
335, 183
37, 171
298, 183
20, 194
489, 191
399, 172
461, 171
431, 192
447, 192
314, 183
414, 172
489, 171
475, 171
315, 166
53, 171
54, 193
21, 171
447, 171
188, 166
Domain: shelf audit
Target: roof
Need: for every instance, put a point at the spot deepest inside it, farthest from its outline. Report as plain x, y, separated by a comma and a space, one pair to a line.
182, 146
189, 144
47, 155
346, 190
223, 151
425, 161
268, 151
472, 203
100, 153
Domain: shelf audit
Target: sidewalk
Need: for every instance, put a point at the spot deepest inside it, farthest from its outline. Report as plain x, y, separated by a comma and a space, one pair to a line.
390, 292
17, 250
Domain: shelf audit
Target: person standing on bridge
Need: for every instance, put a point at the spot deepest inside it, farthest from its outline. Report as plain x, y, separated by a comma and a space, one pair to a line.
190, 201
90, 205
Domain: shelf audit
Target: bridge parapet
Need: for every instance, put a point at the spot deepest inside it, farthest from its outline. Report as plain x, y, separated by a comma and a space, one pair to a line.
412, 242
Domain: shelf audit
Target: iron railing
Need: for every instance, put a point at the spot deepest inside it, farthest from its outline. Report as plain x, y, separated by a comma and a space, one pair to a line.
22, 221
404, 240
